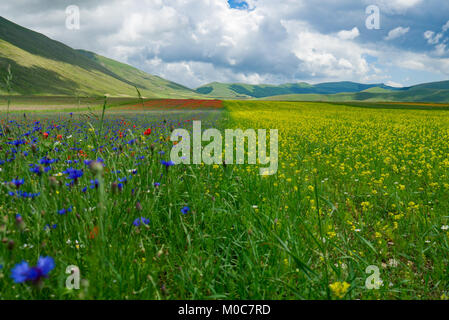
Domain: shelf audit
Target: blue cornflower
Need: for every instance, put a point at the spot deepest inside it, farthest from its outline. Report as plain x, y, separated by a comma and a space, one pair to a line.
36, 169
65, 211
167, 164
47, 161
185, 210
157, 184
94, 183
20, 272
141, 220
23, 194
17, 142
124, 180
23, 272
42, 269
48, 227
18, 182
74, 174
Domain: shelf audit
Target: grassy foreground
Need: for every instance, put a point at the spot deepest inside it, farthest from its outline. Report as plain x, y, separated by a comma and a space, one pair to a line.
355, 188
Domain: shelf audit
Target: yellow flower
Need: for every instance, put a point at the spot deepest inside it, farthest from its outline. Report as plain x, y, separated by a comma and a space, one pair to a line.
339, 289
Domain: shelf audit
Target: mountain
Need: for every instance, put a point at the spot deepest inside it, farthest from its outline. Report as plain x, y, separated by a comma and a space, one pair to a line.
413, 94
42, 66
238, 90
437, 92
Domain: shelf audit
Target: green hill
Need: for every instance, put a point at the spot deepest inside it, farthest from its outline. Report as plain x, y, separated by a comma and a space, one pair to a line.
220, 90
437, 92
42, 66
414, 94
238, 90
441, 85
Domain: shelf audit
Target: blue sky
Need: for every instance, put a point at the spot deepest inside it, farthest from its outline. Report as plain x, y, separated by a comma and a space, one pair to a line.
195, 42
238, 4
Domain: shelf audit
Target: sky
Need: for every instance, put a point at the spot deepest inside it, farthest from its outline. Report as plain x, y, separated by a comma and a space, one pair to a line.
195, 42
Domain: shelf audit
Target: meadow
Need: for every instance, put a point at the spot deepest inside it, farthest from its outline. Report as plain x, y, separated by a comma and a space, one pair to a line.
356, 187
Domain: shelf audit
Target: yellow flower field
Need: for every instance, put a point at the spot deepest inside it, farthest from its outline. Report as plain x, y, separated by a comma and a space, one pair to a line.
355, 188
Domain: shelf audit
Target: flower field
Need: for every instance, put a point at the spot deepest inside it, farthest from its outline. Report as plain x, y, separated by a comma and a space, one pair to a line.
356, 188
177, 104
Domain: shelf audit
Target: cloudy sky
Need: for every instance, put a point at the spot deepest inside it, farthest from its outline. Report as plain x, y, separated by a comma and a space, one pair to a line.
194, 42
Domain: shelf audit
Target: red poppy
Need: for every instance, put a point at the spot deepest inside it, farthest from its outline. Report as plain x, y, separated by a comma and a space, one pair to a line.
94, 232
147, 132
45, 135
59, 137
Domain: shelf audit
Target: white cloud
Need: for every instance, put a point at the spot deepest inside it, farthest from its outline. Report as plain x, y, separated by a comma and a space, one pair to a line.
349, 34
440, 49
415, 61
325, 55
396, 33
394, 6
438, 40
394, 84
432, 38
446, 26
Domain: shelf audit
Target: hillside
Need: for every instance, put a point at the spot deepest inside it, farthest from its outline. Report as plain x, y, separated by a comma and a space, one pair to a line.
332, 91
42, 66
413, 94
238, 90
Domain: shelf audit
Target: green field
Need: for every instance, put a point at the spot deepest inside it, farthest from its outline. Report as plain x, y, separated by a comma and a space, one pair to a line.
356, 187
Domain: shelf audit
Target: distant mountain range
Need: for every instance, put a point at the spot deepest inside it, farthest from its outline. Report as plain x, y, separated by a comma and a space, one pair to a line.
331, 91
42, 66
262, 91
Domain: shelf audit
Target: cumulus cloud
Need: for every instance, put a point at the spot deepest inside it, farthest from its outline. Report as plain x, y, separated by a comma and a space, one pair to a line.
396, 33
349, 34
325, 55
394, 84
